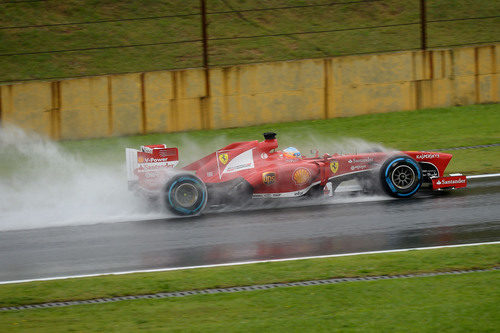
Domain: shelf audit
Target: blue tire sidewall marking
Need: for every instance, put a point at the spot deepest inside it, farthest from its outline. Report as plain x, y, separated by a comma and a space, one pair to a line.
389, 182
390, 165
184, 210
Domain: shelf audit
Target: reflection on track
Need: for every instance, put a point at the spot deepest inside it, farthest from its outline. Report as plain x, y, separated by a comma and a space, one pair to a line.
468, 216
303, 247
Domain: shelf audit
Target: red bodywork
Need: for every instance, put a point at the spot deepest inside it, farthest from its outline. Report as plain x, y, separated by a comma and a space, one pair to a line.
271, 175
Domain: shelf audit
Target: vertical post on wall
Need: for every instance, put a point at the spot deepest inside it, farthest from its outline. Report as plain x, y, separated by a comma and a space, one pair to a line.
204, 100
55, 111
1, 107
423, 26
204, 32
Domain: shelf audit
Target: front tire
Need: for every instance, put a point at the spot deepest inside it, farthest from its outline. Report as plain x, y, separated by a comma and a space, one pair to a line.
401, 176
185, 195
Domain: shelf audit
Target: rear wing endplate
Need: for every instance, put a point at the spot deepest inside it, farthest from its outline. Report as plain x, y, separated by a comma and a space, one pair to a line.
149, 159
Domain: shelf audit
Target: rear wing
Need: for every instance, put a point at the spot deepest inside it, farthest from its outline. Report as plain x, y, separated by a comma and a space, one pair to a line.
149, 160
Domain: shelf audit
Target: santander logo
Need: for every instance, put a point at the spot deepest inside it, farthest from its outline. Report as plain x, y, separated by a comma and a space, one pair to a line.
450, 182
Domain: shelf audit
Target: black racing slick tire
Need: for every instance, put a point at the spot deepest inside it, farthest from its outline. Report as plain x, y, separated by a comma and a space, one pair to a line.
401, 176
185, 195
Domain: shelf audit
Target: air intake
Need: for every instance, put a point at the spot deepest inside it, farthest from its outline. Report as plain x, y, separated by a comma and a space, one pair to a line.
269, 135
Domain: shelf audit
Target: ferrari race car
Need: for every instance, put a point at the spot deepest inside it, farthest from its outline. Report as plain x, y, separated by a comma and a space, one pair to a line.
245, 171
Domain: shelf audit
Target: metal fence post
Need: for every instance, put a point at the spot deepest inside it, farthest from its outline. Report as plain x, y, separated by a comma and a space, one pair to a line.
205, 117
205, 45
423, 26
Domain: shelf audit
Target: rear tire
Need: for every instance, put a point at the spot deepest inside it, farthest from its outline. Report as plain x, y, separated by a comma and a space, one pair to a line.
185, 195
401, 176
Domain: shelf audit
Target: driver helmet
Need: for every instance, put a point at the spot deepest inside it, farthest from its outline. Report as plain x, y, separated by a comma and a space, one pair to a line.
292, 153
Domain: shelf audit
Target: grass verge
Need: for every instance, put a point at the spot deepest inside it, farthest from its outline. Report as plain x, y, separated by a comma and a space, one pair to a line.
145, 283
458, 303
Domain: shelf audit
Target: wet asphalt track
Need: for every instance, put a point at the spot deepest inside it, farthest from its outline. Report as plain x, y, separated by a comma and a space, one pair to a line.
366, 224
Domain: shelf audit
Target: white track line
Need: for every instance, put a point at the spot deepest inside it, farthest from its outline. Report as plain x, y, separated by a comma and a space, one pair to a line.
484, 176
246, 262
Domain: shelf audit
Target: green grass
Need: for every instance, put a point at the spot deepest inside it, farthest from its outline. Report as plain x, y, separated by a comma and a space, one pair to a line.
409, 130
475, 161
92, 62
432, 304
145, 283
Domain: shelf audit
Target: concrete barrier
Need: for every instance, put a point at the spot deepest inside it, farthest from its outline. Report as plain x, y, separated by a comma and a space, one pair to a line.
243, 95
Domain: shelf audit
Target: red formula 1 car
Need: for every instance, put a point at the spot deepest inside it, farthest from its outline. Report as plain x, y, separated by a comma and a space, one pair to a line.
242, 171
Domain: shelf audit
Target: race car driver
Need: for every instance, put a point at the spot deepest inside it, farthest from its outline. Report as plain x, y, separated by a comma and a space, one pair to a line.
292, 153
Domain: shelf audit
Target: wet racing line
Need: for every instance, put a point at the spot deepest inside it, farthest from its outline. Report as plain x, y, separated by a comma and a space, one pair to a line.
347, 224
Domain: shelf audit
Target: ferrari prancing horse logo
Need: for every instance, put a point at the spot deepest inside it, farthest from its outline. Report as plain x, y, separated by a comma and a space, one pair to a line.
224, 158
334, 166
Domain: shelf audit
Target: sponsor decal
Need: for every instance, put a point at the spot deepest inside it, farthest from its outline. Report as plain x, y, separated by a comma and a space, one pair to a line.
163, 153
264, 156
358, 167
224, 158
147, 150
268, 195
334, 166
427, 156
450, 182
241, 162
154, 160
361, 160
269, 178
157, 165
301, 176
239, 167
140, 159
430, 173
210, 174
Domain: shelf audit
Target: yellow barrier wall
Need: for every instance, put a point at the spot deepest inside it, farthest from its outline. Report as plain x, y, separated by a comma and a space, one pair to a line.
171, 101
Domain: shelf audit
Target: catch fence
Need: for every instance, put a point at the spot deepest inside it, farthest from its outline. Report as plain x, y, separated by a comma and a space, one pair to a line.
224, 32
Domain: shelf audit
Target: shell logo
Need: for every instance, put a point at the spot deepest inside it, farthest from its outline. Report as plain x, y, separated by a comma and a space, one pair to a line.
301, 176
334, 166
224, 158
140, 159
